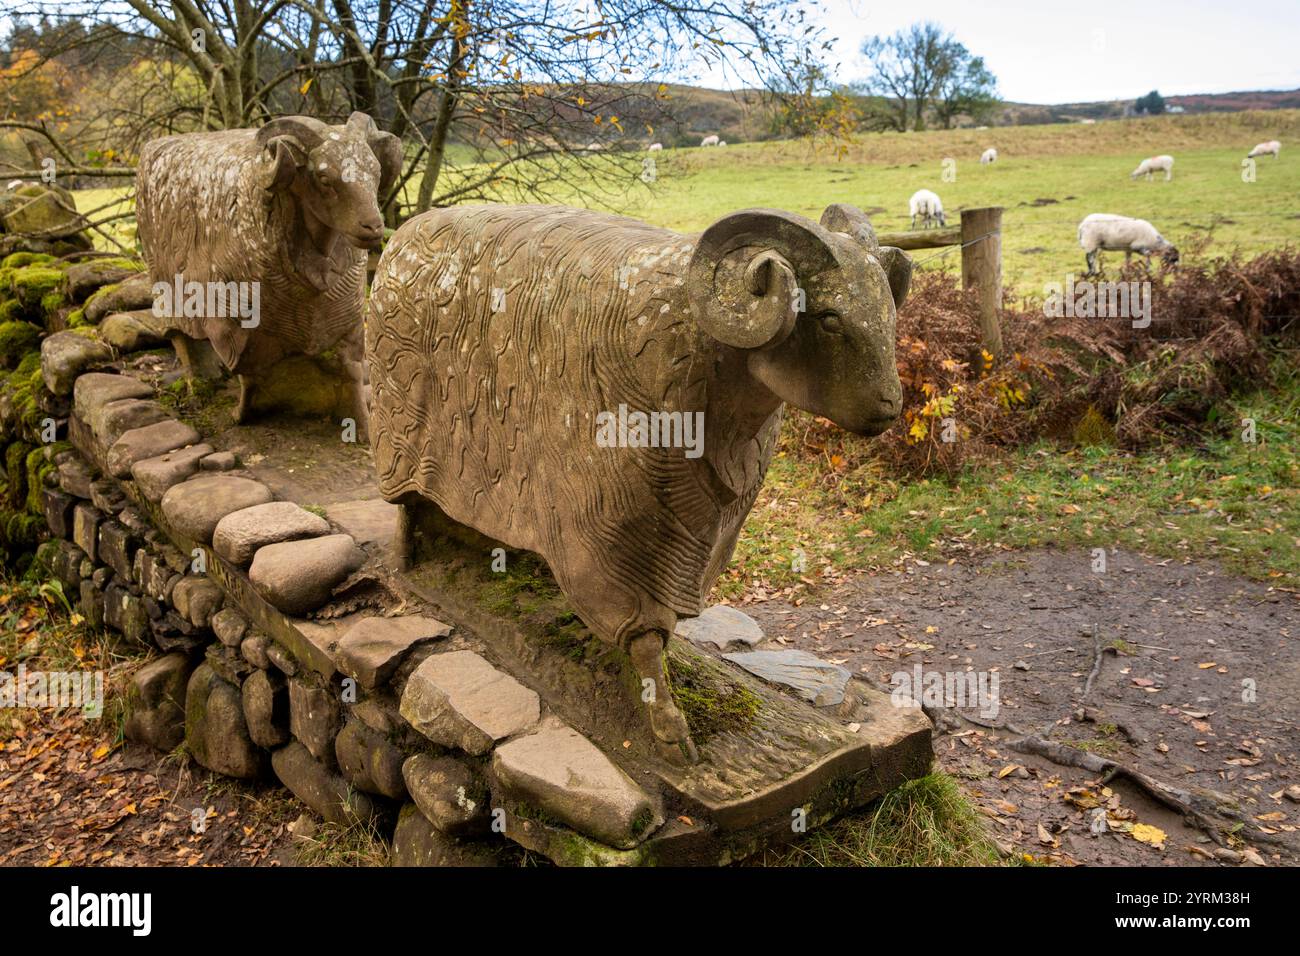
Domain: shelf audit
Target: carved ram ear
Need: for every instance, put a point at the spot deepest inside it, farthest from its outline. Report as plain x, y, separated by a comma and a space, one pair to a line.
898, 269
853, 222
743, 278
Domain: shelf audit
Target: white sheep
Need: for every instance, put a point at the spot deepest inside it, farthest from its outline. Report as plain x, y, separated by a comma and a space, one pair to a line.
711, 140
926, 205
990, 156
1105, 231
654, 147
1154, 165
1271, 148
722, 142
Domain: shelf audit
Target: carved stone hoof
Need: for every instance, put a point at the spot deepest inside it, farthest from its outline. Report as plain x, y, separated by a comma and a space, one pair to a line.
681, 753
672, 737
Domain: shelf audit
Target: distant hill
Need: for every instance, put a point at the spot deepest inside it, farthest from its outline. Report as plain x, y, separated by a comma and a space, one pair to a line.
1032, 114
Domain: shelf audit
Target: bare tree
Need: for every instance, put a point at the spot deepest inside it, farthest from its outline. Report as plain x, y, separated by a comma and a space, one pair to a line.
923, 70
507, 99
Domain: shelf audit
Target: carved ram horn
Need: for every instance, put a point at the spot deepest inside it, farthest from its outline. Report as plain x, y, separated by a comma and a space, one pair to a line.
386, 147
287, 141
853, 222
743, 278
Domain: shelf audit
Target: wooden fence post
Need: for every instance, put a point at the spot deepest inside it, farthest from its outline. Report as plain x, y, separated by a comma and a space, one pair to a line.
981, 269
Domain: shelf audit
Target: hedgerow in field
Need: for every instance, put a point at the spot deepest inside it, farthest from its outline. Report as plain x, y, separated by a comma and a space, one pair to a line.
1079, 380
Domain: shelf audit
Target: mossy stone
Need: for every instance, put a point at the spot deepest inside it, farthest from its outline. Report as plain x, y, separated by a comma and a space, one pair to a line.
16, 340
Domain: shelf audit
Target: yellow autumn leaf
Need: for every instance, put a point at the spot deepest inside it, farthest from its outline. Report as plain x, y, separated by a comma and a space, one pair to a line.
1207, 665
101, 752
306, 86
1151, 836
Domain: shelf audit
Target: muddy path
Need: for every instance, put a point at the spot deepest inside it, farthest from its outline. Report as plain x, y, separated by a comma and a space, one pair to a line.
1197, 684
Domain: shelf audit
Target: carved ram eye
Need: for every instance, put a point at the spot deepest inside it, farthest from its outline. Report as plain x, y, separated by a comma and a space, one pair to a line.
831, 322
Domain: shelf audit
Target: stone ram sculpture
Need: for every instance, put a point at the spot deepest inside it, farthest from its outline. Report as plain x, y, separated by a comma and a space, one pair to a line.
290, 207
503, 340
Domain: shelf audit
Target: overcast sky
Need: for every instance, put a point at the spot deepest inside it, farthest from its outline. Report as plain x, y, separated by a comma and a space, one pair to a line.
1047, 51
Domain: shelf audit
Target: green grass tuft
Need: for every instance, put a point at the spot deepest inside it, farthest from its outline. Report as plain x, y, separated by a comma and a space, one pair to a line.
925, 822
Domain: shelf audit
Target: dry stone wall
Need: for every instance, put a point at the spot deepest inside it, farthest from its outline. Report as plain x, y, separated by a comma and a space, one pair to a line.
386, 715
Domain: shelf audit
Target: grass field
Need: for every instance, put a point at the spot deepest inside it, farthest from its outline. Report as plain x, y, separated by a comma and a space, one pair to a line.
1047, 179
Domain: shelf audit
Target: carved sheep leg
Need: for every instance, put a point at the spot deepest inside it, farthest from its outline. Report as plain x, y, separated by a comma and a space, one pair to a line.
244, 410
357, 407
196, 356
672, 737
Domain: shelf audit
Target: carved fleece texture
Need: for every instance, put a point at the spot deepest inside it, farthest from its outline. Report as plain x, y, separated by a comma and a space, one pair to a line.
202, 215
493, 415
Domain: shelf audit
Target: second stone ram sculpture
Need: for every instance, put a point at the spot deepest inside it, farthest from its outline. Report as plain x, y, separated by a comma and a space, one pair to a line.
284, 213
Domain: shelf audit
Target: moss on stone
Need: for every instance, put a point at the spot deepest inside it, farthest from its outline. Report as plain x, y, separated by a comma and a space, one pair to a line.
11, 310
51, 302
16, 340
38, 466
16, 475
32, 283
77, 320
711, 703
16, 260
103, 290
521, 587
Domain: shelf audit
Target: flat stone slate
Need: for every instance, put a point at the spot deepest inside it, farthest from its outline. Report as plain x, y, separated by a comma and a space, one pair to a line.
132, 331
85, 277
195, 507
153, 476
722, 627
298, 576
817, 681
374, 648
326, 792
110, 422
458, 699
417, 842
147, 442
65, 355
566, 775
76, 476
240, 534
94, 390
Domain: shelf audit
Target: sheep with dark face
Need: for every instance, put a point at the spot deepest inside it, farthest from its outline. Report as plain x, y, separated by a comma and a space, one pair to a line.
504, 342
288, 209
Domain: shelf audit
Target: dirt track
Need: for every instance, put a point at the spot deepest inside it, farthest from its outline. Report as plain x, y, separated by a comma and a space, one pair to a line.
1174, 701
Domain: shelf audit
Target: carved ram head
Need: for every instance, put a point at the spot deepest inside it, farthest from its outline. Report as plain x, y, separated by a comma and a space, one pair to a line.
337, 174
812, 306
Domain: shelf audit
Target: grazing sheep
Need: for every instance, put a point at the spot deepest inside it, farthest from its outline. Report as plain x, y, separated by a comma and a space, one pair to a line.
1105, 231
654, 147
709, 140
1154, 165
489, 411
926, 205
722, 142
288, 210
1271, 148
990, 156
